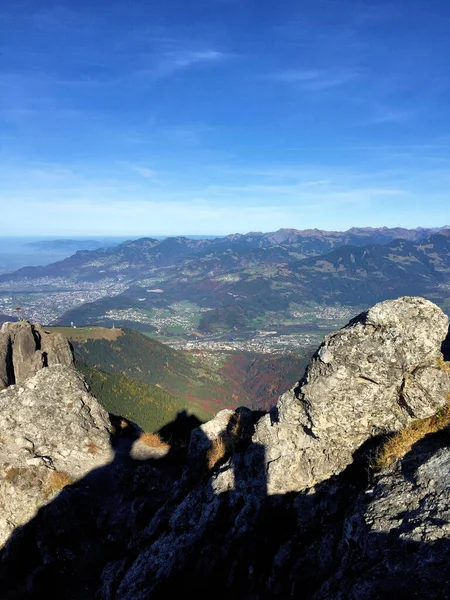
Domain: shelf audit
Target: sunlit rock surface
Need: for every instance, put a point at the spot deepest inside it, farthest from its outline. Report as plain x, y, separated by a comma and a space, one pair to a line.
26, 348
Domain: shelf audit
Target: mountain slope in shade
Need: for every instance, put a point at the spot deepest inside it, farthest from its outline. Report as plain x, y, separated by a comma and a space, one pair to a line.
150, 383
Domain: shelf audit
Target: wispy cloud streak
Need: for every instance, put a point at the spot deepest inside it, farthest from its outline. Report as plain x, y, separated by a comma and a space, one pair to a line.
314, 79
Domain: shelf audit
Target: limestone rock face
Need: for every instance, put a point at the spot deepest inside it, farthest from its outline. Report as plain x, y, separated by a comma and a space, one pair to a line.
52, 431
370, 378
26, 347
396, 543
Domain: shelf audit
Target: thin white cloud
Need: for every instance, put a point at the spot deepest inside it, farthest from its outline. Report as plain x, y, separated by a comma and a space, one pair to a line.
315, 79
173, 61
186, 59
207, 198
143, 216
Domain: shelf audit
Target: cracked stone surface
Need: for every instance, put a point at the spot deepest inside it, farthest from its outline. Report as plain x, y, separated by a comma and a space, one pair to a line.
49, 424
370, 378
400, 527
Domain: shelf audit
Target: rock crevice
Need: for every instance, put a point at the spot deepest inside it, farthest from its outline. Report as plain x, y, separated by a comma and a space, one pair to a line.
26, 348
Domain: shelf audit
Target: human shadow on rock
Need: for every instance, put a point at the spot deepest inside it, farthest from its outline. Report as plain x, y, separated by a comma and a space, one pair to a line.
245, 544
62, 551
446, 346
130, 531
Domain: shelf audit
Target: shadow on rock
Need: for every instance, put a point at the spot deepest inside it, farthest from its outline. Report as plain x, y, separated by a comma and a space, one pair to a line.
329, 542
135, 530
446, 347
62, 551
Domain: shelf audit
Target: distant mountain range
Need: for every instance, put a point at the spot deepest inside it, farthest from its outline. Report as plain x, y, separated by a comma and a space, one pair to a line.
137, 256
238, 282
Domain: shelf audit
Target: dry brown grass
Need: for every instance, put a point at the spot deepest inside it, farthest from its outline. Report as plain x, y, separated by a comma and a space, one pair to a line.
401, 443
216, 453
152, 440
56, 481
443, 364
226, 444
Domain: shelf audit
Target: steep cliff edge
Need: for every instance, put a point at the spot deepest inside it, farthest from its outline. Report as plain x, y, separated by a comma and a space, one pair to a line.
289, 504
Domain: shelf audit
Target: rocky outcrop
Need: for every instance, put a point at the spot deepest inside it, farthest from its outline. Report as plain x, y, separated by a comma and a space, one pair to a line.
368, 379
52, 432
278, 506
26, 348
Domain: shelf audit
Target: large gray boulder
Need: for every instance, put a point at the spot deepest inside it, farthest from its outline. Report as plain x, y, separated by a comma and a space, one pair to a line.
368, 379
52, 432
26, 347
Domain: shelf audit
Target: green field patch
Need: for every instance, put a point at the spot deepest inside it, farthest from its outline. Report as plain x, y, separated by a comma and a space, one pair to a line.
175, 329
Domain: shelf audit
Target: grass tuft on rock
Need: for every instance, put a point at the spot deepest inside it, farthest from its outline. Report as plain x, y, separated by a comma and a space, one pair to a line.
152, 440
443, 365
56, 481
400, 444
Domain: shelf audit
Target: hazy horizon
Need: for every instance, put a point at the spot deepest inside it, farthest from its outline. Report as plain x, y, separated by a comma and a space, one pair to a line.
92, 237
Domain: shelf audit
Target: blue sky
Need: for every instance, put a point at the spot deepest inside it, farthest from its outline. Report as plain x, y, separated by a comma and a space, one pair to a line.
221, 116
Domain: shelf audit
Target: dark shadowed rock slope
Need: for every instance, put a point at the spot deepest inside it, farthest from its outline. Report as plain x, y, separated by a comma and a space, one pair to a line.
281, 505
